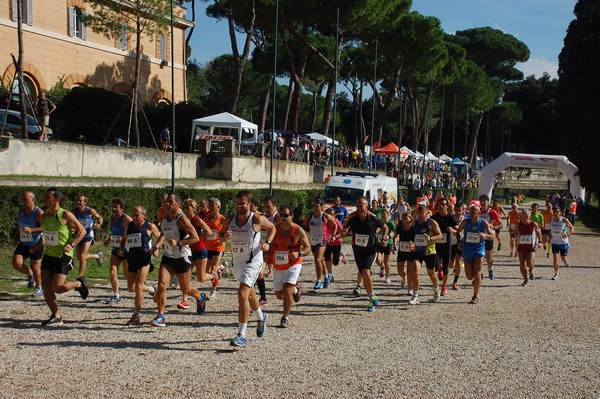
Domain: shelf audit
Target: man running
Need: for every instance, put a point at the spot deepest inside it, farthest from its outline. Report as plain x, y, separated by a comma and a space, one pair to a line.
316, 226
512, 222
290, 244
26, 242
90, 220
243, 229
528, 235
493, 219
447, 224
560, 230
117, 229
214, 246
427, 232
501, 213
58, 254
548, 214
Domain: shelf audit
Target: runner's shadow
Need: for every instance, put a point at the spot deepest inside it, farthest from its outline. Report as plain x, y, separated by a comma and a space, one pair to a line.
115, 344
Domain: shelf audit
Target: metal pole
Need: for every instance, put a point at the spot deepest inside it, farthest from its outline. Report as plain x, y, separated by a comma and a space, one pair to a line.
372, 153
172, 102
274, 93
400, 121
337, 38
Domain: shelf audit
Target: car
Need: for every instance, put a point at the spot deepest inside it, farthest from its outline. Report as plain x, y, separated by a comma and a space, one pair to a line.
13, 125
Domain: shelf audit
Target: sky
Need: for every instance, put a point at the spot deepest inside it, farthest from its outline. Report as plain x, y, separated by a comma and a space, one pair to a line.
540, 24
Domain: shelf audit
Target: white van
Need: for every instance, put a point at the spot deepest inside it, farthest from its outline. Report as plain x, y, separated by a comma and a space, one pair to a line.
350, 186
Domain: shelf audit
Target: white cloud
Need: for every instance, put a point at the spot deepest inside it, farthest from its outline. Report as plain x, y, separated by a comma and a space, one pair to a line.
537, 67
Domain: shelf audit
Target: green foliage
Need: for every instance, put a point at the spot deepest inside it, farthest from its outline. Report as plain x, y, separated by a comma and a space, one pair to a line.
100, 198
58, 91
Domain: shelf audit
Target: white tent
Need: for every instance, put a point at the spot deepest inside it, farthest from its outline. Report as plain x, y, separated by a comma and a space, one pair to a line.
405, 148
321, 138
430, 157
418, 155
225, 120
445, 158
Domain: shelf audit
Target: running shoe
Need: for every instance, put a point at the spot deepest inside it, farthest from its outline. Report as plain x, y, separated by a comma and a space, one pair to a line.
215, 280
212, 295
474, 300
113, 299
201, 304
135, 320
238, 340
327, 280
183, 304
567, 264
531, 276
455, 286
491, 274
284, 322
100, 258
381, 272
53, 321
263, 302
440, 275
151, 290
436, 296
83, 289
158, 321
388, 279
414, 300
371, 307
318, 285
525, 283
547, 255
555, 277
262, 325
499, 247
356, 292
298, 294
374, 299
343, 258
30, 282
38, 292
444, 291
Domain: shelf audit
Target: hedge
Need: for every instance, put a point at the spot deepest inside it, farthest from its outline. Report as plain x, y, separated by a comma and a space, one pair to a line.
100, 198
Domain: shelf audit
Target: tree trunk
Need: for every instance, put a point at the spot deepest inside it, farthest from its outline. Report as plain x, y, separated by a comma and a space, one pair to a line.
265, 104
134, 86
288, 103
19, 67
473, 140
239, 61
328, 106
297, 71
385, 108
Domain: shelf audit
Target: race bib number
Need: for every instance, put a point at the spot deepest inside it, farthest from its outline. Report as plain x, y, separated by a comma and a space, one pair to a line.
240, 247
282, 257
116, 241
555, 233
85, 223
420, 240
361, 240
380, 237
51, 238
213, 236
134, 240
526, 239
169, 249
25, 237
404, 246
315, 240
473, 238
263, 236
444, 239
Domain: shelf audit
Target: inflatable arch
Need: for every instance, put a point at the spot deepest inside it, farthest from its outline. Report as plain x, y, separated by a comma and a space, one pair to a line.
556, 162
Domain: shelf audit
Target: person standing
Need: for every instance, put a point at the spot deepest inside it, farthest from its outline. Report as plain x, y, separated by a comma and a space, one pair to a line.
177, 234
560, 230
44, 108
29, 235
90, 220
58, 254
363, 226
243, 229
165, 139
117, 229
290, 244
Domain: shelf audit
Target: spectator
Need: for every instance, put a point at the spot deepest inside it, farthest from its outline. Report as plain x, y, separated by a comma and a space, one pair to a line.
44, 108
165, 139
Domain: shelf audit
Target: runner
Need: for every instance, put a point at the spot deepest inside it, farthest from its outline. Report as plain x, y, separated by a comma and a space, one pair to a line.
243, 229
405, 237
477, 231
333, 248
90, 220
528, 235
29, 235
290, 244
447, 224
501, 213
160, 215
364, 226
490, 216
548, 214
117, 229
177, 234
318, 233
58, 254
512, 222
270, 212
427, 232
384, 249
340, 213
214, 246
560, 230
455, 251
138, 239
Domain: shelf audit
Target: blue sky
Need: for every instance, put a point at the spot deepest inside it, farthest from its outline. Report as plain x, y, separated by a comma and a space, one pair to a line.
540, 24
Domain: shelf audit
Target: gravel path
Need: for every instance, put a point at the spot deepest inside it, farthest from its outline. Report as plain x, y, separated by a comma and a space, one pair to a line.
536, 341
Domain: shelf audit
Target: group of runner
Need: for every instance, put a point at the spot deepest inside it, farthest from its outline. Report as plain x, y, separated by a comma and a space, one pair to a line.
440, 234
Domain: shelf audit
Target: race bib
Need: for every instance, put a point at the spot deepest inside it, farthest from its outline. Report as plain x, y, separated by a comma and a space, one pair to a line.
473, 238
404, 246
169, 249
282, 257
315, 240
25, 237
444, 239
134, 240
263, 236
555, 233
380, 237
213, 236
420, 240
116, 241
526, 239
361, 240
240, 247
86, 223
51, 238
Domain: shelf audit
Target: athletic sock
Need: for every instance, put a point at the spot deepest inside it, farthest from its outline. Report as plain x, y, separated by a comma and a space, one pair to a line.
295, 290
262, 288
242, 329
259, 314
455, 279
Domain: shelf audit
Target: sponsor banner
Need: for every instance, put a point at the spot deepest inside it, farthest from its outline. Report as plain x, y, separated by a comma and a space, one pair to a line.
540, 161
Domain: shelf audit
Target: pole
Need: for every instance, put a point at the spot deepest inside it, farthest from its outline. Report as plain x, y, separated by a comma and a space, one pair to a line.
337, 38
274, 93
173, 129
400, 121
373, 108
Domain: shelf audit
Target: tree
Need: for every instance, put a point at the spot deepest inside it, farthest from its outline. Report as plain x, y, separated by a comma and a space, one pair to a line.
578, 100
138, 17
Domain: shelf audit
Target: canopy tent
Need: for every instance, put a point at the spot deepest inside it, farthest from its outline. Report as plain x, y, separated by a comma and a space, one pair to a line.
321, 138
418, 155
408, 150
391, 149
225, 120
430, 157
457, 161
445, 158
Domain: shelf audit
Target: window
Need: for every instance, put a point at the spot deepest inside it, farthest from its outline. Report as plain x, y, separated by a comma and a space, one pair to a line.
162, 46
77, 26
26, 11
123, 37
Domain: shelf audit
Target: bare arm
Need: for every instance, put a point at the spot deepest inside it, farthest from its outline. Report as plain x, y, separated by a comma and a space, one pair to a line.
74, 224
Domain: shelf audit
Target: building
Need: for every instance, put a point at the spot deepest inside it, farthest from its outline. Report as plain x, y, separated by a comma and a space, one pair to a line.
58, 45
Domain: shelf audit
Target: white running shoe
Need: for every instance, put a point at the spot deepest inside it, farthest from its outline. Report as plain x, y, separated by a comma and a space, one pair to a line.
414, 300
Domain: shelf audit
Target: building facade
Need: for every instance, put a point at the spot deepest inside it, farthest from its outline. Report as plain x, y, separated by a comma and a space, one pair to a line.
59, 46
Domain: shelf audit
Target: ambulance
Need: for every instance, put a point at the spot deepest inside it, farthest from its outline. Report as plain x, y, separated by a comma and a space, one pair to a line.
350, 186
